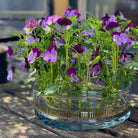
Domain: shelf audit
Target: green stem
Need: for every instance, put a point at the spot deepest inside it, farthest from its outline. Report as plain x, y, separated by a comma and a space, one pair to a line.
67, 64
51, 66
39, 82
87, 81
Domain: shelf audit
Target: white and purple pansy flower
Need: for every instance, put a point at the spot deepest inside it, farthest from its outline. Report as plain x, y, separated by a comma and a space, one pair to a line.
50, 20
30, 26
72, 73
32, 56
50, 55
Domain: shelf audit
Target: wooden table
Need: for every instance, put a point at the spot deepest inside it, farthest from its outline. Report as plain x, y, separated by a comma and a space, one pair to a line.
17, 118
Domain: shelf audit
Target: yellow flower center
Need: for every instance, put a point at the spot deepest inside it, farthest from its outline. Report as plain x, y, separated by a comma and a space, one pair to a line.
89, 32
119, 39
51, 55
32, 41
70, 13
28, 30
33, 57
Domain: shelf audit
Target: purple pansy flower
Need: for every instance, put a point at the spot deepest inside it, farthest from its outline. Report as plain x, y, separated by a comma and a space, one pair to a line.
85, 49
105, 18
31, 39
95, 54
129, 44
89, 33
111, 19
131, 25
37, 67
95, 70
71, 13
115, 33
112, 24
52, 37
22, 63
123, 57
99, 81
43, 21
50, 55
27, 66
120, 39
72, 73
59, 43
100, 63
77, 48
79, 16
64, 21
36, 50
13, 68
51, 47
86, 41
31, 24
32, 56
116, 13
74, 61
10, 75
10, 51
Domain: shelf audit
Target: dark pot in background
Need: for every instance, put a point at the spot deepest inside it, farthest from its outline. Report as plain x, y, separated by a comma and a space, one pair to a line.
3, 64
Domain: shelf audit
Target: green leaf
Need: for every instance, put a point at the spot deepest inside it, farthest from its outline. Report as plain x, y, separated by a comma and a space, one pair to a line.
134, 30
16, 34
28, 80
54, 29
133, 64
51, 89
86, 26
96, 60
135, 46
124, 25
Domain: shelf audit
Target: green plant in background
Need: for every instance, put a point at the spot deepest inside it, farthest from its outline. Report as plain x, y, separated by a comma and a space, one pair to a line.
68, 54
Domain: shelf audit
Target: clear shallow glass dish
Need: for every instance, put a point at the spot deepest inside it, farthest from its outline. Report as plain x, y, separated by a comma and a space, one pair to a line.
83, 113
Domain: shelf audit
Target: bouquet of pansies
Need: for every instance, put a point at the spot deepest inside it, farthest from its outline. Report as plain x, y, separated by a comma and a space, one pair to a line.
67, 54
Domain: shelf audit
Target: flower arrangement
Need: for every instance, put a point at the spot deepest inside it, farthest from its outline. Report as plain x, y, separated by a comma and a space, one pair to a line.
68, 54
